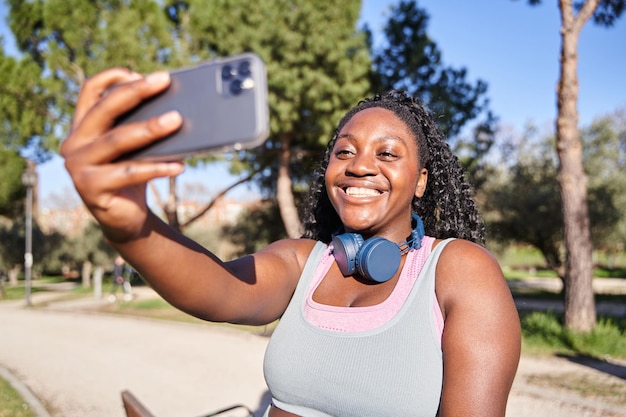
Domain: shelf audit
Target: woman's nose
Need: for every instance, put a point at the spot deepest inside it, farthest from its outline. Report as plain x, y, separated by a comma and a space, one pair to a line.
362, 165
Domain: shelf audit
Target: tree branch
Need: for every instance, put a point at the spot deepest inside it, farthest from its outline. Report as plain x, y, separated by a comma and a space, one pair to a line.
215, 200
585, 13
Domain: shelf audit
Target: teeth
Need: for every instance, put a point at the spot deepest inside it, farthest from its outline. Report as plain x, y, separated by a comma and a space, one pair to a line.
361, 192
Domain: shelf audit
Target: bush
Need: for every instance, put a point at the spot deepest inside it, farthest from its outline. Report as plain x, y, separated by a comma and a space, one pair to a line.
545, 332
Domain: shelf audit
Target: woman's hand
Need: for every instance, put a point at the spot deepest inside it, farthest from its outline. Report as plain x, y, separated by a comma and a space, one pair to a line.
115, 192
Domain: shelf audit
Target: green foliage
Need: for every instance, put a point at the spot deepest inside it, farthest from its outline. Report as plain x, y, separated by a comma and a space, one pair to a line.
317, 67
540, 329
604, 158
12, 244
545, 332
64, 42
12, 191
521, 202
70, 253
255, 229
24, 102
53, 252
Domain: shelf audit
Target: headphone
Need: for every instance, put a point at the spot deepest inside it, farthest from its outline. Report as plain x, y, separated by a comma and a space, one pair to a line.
376, 259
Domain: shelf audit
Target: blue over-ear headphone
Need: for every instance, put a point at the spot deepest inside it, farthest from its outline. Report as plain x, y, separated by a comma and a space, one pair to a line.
376, 259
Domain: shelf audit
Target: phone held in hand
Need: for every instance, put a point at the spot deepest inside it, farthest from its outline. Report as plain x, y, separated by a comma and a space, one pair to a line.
223, 104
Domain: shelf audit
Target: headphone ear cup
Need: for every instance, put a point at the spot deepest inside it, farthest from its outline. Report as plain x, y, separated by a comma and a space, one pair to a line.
345, 249
378, 259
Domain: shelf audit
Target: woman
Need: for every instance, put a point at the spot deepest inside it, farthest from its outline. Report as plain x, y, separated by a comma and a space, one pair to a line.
430, 330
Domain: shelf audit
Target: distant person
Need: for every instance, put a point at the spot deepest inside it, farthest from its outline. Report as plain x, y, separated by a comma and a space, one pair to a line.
389, 305
121, 279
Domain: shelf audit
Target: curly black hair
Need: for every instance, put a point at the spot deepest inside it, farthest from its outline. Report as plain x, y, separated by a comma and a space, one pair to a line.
446, 208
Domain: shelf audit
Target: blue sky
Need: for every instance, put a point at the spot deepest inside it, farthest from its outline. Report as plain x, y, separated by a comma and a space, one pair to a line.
508, 44
515, 49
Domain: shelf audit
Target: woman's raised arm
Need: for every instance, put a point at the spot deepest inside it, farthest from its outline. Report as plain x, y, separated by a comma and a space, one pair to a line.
253, 289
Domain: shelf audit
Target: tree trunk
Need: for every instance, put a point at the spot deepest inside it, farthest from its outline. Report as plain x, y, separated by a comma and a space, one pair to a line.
98, 273
284, 193
86, 274
13, 273
580, 313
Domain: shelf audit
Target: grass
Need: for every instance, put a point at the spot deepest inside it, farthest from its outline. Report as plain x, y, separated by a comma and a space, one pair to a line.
543, 333
11, 402
17, 292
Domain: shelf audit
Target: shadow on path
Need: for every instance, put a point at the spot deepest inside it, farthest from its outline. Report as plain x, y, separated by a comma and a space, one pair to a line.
609, 368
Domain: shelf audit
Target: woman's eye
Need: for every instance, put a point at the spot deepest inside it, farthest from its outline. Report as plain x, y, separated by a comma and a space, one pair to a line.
388, 155
343, 153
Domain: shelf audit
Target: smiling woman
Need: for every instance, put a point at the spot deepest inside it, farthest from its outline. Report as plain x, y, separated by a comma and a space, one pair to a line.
369, 160
415, 340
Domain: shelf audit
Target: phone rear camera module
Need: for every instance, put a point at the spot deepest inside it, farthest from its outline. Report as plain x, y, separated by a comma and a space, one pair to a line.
228, 72
237, 78
244, 68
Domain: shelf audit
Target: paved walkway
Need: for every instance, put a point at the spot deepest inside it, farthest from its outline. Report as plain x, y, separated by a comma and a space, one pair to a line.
77, 363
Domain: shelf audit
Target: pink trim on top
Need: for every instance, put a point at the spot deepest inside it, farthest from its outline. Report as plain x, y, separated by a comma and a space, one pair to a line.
356, 319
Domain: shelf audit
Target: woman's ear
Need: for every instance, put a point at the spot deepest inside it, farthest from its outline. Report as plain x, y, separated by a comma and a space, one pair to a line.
422, 180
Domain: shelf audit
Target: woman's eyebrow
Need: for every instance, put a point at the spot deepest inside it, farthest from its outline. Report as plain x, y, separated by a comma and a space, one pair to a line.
346, 136
382, 138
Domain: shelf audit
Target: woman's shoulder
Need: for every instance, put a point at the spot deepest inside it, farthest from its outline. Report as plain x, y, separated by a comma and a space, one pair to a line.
465, 267
463, 253
292, 251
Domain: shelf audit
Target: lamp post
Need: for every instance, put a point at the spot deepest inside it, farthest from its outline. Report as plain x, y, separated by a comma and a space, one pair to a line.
29, 179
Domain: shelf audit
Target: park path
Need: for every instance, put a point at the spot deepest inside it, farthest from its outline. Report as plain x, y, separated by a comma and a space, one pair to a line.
77, 363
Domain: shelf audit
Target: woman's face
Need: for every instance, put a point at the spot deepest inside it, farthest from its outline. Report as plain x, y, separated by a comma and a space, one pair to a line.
373, 175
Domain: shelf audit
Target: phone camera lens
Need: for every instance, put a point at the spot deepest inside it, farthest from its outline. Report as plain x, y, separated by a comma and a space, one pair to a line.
228, 72
236, 87
244, 68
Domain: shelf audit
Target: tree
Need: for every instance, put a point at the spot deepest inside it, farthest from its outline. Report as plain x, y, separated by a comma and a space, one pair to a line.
317, 67
12, 243
24, 126
411, 61
604, 158
69, 40
521, 205
249, 234
11, 187
314, 74
25, 122
90, 250
580, 311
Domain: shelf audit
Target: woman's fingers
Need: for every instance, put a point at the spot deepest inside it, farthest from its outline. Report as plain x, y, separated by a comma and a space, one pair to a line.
104, 98
98, 183
115, 143
94, 88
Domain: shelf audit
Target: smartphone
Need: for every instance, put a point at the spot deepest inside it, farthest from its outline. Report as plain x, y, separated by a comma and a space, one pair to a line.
223, 104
